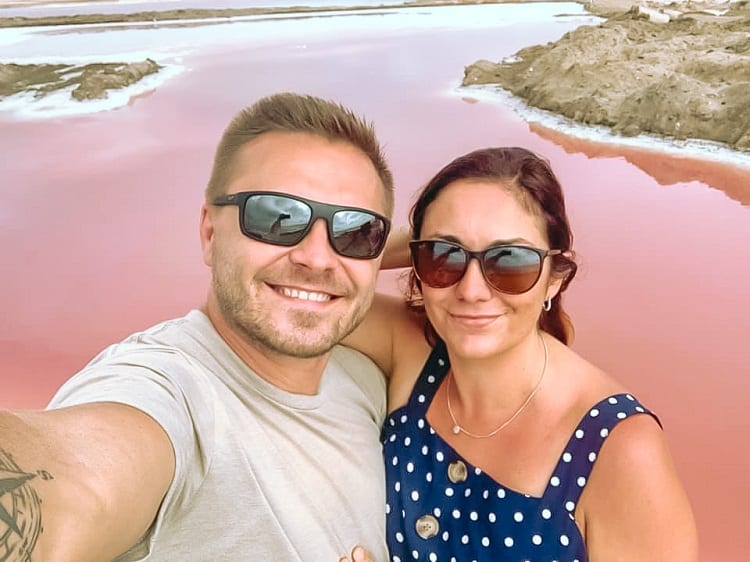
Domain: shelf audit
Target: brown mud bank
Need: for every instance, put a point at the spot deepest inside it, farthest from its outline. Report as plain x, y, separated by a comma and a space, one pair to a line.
89, 82
685, 77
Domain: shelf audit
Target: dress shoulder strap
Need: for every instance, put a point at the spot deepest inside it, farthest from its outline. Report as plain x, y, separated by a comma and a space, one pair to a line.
433, 373
574, 466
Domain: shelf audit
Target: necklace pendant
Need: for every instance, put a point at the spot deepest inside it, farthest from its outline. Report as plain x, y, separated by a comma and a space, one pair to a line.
456, 429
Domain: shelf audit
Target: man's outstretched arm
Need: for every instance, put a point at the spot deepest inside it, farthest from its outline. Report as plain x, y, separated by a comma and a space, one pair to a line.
79, 484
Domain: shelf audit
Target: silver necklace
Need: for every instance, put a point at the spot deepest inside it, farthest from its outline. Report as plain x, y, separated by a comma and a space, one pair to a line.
457, 428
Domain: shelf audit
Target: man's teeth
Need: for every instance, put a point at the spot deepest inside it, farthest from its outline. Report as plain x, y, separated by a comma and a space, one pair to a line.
305, 295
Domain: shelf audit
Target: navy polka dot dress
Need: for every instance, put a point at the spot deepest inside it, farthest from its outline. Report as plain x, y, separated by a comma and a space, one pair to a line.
441, 508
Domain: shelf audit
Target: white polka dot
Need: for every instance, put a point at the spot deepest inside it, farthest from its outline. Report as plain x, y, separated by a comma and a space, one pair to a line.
612, 400
567, 457
396, 559
604, 432
391, 422
501, 493
518, 517
439, 456
403, 418
486, 494
564, 540
407, 441
555, 481
431, 379
621, 415
456, 514
446, 536
492, 517
629, 397
433, 557
592, 456
594, 412
397, 486
639, 409
410, 467
465, 539
420, 423
581, 481
508, 541
579, 434
421, 399
449, 492
415, 495
394, 461
570, 506
473, 516
477, 470
387, 508
432, 431
467, 492
437, 512
425, 449
428, 476
415, 554
485, 542
392, 438
441, 362
546, 513
536, 539
399, 537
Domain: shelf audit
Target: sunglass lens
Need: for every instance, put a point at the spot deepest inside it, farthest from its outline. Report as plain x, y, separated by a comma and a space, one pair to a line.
276, 219
512, 269
438, 264
357, 234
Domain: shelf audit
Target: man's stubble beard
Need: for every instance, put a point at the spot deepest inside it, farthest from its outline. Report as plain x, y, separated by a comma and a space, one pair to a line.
312, 334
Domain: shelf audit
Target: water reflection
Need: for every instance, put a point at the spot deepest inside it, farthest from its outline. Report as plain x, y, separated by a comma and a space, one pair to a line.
666, 169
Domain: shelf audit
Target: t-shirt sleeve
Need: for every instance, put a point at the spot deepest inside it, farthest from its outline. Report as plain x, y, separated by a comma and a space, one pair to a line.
166, 385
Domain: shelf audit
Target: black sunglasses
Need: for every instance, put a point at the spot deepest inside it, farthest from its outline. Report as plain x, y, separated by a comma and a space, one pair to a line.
509, 268
284, 220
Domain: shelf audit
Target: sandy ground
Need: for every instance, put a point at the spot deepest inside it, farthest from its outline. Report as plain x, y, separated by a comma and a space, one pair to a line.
679, 70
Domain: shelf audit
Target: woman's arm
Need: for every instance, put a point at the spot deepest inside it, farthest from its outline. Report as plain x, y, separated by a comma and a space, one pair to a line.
376, 335
396, 253
634, 505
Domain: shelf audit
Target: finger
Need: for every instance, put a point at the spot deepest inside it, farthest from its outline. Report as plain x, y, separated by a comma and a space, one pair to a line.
359, 554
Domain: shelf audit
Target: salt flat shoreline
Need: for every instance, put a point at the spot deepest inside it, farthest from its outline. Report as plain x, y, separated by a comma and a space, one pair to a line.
673, 71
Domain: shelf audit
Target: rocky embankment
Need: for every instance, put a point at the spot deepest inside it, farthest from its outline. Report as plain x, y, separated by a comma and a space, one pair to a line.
670, 72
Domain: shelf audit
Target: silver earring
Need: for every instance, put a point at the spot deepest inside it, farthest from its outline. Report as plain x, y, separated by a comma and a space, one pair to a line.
547, 305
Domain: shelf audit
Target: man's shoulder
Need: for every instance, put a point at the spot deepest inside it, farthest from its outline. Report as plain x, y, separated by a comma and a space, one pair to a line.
175, 337
353, 361
365, 374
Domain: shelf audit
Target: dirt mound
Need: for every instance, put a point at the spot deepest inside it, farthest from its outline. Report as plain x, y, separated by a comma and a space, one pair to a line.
687, 77
91, 81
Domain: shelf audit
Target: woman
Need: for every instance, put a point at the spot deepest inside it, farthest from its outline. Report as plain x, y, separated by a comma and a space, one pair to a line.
502, 443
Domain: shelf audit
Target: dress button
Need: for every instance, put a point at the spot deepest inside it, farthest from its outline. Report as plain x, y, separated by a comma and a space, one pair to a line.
457, 472
427, 526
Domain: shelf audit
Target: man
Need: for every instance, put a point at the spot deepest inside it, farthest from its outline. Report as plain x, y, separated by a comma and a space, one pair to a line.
240, 431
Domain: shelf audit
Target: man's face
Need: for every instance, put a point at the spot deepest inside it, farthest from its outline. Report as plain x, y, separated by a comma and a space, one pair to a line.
293, 300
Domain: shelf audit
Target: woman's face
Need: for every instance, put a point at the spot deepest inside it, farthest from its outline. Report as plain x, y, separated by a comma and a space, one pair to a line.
474, 319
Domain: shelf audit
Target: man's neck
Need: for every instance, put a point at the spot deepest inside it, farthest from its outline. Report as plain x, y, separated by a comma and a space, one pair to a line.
293, 374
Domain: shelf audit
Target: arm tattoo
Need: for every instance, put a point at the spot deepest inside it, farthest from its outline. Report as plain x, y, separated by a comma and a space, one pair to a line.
20, 511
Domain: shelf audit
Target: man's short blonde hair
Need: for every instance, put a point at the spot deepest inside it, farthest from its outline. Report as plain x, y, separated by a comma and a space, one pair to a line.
295, 113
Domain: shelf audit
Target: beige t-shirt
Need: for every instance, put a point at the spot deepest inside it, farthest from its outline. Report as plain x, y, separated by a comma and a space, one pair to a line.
261, 474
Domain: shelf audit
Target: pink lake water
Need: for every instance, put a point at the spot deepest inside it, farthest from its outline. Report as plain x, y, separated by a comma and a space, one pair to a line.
99, 215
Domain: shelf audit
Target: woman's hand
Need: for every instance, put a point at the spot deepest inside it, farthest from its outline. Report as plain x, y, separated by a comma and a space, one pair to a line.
359, 554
